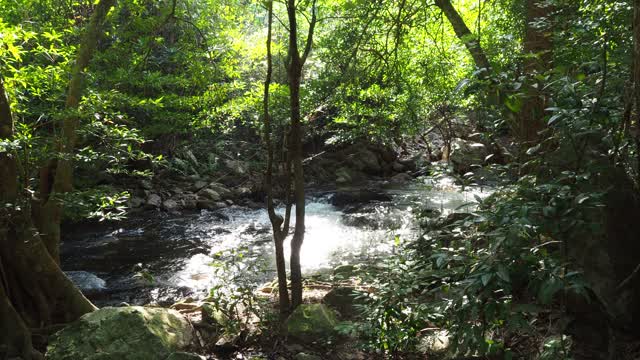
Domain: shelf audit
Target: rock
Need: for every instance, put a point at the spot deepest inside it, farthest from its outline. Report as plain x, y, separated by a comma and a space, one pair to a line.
221, 190
466, 153
343, 299
305, 356
146, 184
311, 322
209, 194
227, 342
367, 161
350, 197
242, 191
86, 281
238, 167
453, 218
154, 200
398, 167
185, 356
123, 333
189, 201
212, 315
199, 185
435, 343
170, 205
361, 221
136, 202
345, 271
209, 205
343, 176
294, 348
400, 178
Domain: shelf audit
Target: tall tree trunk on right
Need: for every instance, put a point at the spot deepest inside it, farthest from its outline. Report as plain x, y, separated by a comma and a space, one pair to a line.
538, 54
294, 74
280, 226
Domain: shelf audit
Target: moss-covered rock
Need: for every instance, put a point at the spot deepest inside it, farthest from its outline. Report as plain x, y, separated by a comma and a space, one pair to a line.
125, 333
345, 300
311, 322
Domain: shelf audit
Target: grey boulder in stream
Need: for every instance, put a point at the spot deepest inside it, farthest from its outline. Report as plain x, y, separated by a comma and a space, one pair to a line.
124, 333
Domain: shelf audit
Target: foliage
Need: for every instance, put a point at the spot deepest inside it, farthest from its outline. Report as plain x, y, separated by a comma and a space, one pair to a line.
234, 296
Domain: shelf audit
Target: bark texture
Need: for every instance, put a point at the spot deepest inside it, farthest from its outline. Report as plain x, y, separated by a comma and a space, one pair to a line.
636, 81
538, 53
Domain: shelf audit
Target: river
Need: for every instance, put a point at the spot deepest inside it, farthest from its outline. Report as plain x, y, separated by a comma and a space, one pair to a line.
160, 258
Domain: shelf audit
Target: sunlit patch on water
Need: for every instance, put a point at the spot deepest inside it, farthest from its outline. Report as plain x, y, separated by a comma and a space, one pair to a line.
332, 238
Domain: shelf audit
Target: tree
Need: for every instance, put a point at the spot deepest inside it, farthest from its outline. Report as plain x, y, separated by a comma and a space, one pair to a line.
295, 63
636, 81
537, 60
34, 292
280, 226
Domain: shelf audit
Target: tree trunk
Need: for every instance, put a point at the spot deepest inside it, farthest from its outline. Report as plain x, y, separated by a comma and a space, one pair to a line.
471, 42
280, 227
538, 59
57, 178
294, 74
636, 82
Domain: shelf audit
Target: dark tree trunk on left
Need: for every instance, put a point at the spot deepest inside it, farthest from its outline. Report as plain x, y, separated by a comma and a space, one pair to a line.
34, 292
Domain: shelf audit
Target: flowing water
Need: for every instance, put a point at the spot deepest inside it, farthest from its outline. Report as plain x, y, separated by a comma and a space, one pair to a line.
162, 257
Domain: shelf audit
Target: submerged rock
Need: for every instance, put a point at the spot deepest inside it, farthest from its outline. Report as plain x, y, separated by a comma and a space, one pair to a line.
305, 356
123, 333
350, 197
86, 281
154, 200
311, 322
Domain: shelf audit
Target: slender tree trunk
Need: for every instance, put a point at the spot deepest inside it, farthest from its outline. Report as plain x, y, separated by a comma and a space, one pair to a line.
471, 42
636, 81
57, 177
294, 73
280, 227
538, 59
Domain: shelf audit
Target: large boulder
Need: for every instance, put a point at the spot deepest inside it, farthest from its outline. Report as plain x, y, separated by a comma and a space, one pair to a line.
466, 153
367, 161
123, 333
311, 322
154, 201
209, 194
344, 300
